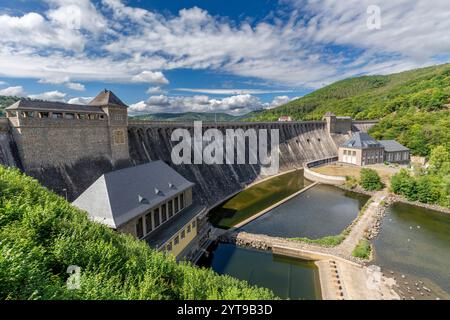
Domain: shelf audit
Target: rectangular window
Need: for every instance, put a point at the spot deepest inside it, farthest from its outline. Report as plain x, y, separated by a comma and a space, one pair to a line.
182, 201
119, 137
139, 228
193, 224
176, 204
57, 115
169, 246
183, 234
188, 229
82, 116
354, 153
164, 212
70, 116
176, 240
43, 114
156, 217
170, 204
148, 223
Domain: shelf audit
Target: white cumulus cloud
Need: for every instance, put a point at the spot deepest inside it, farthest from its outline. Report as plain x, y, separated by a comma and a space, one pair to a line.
80, 100
236, 105
50, 96
156, 77
17, 91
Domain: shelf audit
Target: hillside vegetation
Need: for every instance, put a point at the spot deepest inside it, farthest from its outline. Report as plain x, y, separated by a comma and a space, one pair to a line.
413, 106
6, 101
41, 235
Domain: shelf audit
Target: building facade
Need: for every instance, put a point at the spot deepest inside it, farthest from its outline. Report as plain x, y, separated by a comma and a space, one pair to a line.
151, 201
361, 149
49, 133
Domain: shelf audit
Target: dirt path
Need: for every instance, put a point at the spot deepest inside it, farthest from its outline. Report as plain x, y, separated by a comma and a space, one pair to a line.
364, 224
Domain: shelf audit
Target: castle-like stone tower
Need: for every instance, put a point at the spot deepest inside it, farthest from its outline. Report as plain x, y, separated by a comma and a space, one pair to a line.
341, 125
116, 112
54, 133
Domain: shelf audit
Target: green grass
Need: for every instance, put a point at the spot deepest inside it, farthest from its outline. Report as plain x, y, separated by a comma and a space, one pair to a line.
363, 249
329, 241
41, 234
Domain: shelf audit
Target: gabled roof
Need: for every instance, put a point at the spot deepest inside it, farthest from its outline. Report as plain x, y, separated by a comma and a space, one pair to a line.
119, 196
38, 105
393, 146
361, 140
107, 97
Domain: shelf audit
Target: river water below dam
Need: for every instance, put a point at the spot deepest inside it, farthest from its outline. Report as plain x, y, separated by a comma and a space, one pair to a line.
415, 241
256, 198
318, 212
288, 278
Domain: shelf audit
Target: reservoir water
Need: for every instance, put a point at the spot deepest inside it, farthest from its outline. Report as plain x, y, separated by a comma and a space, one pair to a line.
256, 198
415, 241
288, 278
320, 211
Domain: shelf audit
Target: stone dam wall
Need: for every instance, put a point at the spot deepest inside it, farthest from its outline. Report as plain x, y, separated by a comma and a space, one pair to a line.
300, 142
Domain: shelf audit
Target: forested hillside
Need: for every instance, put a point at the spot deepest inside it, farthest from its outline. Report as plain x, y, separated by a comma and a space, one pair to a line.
41, 234
6, 101
413, 106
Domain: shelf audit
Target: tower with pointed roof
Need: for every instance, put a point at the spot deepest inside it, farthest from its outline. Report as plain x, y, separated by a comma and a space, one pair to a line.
117, 117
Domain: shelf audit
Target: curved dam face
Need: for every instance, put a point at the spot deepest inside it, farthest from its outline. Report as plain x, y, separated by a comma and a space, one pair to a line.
299, 142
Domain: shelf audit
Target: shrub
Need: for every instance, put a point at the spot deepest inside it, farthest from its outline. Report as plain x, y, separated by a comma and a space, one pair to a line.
370, 180
362, 249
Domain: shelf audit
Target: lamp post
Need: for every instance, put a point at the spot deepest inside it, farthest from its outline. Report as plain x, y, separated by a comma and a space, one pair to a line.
65, 192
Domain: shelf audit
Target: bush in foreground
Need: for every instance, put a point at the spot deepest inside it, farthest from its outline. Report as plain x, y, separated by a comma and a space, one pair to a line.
41, 235
370, 180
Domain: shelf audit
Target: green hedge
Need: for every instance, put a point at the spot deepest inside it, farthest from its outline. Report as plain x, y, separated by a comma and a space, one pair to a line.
41, 235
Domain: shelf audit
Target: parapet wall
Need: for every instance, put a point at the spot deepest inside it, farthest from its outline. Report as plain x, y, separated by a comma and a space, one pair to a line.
322, 178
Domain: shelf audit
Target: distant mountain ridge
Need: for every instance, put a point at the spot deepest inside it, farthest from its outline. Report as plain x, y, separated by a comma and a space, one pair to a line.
193, 116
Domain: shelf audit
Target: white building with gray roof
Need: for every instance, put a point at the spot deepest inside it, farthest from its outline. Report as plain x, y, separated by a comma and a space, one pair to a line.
361, 149
151, 201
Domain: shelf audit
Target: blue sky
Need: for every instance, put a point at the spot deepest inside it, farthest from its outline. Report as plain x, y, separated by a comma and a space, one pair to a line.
222, 56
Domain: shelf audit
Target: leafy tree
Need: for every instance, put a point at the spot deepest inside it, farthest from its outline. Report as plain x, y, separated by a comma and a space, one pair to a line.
440, 161
404, 184
370, 180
